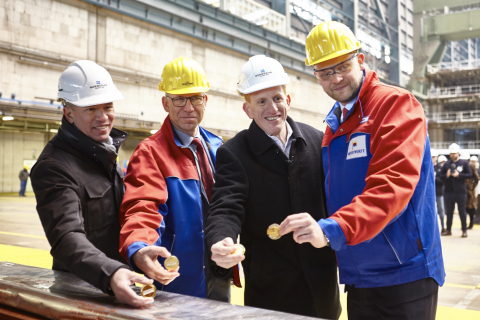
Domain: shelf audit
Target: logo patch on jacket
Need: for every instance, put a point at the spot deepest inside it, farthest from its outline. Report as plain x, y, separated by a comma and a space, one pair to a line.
357, 148
460, 168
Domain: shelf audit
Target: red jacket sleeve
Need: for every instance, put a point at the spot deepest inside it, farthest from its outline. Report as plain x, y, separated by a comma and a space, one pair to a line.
145, 191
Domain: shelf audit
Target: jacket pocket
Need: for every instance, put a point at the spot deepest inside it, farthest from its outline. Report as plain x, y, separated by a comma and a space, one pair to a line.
402, 245
101, 208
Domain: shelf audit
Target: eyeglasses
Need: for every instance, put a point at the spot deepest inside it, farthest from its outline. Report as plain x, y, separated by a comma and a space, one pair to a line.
342, 69
182, 101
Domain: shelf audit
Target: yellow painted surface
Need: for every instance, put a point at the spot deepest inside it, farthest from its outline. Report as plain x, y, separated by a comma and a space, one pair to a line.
26, 256
22, 235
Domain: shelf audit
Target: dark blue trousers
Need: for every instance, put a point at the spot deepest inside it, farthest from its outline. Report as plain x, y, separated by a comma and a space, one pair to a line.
461, 200
23, 185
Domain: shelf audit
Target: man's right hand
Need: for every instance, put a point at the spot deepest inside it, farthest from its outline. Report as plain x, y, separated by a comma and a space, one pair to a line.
120, 283
222, 254
147, 260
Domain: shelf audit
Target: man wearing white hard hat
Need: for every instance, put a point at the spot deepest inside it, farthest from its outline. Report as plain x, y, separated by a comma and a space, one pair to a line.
79, 187
264, 174
454, 172
471, 205
439, 187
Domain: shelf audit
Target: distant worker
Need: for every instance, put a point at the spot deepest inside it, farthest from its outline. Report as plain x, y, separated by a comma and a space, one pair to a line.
455, 172
79, 188
439, 187
168, 189
472, 183
379, 183
264, 174
23, 176
441, 160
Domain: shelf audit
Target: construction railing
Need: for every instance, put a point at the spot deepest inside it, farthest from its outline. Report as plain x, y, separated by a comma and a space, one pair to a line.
459, 116
453, 66
473, 144
455, 91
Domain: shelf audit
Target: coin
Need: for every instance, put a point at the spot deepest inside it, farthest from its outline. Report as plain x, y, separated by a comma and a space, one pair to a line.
171, 263
273, 231
239, 249
148, 291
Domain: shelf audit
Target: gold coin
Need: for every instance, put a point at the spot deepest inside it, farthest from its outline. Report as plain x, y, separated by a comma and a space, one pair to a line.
239, 249
148, 291
273, 231
171, 263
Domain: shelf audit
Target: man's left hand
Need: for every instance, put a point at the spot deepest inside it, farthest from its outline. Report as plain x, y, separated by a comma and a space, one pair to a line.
305, 229
455, 174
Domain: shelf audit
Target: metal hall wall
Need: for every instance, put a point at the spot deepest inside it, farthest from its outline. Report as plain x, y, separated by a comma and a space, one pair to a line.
39, 38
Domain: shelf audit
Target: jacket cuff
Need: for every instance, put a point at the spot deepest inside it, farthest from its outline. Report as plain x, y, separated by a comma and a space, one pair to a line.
334, 233
132, 249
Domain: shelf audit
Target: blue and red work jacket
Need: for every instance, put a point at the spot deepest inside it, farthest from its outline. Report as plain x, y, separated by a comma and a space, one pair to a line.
162, 206
380, 190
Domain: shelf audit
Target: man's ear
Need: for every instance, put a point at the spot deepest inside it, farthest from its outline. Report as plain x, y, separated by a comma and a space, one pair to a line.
165, 104
68, 113
248, 111
361, 61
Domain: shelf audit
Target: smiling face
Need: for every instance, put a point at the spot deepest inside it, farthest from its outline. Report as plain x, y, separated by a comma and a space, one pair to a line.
95, 121
343, 88
268, 108
186, 118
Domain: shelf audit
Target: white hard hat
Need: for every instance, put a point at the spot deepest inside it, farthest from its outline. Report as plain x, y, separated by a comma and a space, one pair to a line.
465, 156
434, 153
454, 148
84, 83
474, 158
442, 159
261, 72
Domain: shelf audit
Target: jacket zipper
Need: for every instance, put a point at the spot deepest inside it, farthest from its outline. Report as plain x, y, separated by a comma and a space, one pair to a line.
396, 255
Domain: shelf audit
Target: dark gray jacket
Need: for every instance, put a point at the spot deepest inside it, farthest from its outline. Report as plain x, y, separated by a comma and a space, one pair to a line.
256, 185
23, 175
79, 189
456, 185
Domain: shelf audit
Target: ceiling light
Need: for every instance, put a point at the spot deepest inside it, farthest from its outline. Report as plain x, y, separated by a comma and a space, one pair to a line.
8, 118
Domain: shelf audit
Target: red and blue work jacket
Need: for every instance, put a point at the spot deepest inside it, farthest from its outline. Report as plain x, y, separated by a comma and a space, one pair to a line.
162, 206
381, 191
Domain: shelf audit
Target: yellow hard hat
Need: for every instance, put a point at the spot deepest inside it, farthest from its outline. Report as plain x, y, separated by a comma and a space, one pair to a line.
329, 40
25, 167
183, 76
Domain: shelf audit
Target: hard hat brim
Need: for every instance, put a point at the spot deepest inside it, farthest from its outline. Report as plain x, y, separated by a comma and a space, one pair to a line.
265, 85
97, 99
331, 56
187, 90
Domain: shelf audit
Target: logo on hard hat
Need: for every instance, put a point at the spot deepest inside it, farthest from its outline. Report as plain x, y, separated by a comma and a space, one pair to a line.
263, 73
186, 83
98, 85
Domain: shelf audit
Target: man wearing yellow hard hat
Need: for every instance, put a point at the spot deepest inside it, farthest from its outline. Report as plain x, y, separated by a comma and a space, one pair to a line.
23, 176
379, 184
168, 188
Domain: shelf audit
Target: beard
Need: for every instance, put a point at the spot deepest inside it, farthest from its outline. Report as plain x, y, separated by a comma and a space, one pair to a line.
354, 86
